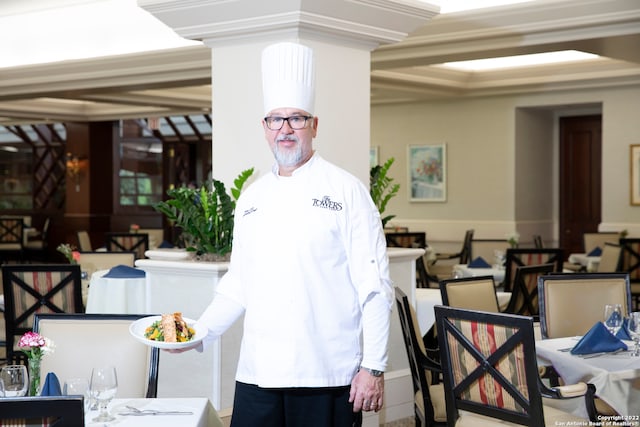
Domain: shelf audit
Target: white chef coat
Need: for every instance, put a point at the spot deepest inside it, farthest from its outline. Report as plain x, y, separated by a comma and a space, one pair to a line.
310, 268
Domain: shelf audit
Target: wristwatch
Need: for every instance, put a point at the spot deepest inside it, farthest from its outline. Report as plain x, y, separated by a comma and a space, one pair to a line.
373, 372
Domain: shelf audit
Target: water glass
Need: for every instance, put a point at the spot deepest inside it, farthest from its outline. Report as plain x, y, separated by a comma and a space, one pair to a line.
613, 317
78, 387
103, 387
15, 380
634, 331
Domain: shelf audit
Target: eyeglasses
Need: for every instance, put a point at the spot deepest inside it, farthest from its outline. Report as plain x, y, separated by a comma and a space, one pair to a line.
295, 122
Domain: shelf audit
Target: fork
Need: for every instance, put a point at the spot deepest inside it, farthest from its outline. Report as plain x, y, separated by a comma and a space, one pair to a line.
136, 411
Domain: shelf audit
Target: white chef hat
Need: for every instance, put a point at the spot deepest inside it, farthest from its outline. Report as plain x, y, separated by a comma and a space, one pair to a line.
288, 77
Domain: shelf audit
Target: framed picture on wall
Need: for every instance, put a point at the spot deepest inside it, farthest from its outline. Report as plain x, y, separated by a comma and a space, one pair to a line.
634, 171
427, 173
373, 156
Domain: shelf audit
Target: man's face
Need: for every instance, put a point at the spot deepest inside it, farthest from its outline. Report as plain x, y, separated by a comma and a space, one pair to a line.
291, 147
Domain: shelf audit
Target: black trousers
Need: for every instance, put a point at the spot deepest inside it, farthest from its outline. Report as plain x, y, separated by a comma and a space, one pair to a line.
254, 406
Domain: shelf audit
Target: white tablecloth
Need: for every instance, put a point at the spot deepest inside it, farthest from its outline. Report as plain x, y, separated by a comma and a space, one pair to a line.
591, 262
426, 299
616, 376
461, 270
204, 415
116, 296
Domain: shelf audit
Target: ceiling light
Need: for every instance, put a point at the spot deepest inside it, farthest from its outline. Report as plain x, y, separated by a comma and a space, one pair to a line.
520, 60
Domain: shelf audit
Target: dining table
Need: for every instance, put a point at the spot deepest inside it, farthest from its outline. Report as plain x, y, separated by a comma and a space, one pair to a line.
463, 270
122, 295
427, 298
198, 413
616, 375
589, 262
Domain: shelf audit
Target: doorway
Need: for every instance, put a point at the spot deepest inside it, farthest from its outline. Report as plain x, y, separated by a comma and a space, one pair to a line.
580, 183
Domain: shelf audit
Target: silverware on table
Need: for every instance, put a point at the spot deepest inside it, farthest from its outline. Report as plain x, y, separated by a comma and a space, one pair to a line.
138, 412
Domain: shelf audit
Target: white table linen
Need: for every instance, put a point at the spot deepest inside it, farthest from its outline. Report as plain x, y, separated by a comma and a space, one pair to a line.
591, 262
116, 295
616, 376
204, 415
462, 270
427, 298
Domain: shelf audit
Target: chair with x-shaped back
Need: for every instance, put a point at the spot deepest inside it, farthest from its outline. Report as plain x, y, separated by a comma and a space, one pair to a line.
490, 372
34, 288
11, 238
517, 257
630, 263
137, 243
524, 293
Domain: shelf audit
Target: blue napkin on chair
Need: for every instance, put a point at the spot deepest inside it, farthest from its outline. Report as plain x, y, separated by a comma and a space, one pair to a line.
598, 340
595, 251
124, 272
51, 386
479, 262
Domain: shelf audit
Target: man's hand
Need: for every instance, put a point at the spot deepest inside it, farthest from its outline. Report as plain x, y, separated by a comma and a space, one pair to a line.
367, 392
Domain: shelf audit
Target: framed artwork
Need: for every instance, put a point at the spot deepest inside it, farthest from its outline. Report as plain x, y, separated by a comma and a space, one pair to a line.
373, 156
427, 173
634, 171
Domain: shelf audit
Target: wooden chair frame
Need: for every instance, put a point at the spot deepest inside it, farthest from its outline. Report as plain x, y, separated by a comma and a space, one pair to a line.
524, 295
476, 289
11, 238
58, 411
517, 257
518, 346
19, 319
137, 243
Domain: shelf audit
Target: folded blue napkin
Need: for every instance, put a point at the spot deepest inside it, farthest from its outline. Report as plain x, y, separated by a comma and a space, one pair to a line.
623, 332
598, 340
479, 262
165, 244
51, 386
595, 251
124, 272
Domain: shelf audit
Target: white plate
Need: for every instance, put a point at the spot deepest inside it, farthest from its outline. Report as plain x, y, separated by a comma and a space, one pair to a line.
138, 327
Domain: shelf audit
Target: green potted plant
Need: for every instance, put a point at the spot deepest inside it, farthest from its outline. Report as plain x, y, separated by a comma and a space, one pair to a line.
205, 216
382, 188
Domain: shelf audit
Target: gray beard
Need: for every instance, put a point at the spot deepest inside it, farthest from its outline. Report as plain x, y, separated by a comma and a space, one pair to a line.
288, 157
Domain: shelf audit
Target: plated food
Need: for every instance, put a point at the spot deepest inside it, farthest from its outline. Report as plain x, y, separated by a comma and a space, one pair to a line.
167, 331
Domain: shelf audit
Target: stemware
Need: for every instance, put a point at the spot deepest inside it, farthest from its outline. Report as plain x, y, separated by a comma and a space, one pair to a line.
78, 386
634, 331
613, 317
15, 380
103, 387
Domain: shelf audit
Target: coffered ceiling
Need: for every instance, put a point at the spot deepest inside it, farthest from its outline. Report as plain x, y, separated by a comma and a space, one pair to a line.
177, 81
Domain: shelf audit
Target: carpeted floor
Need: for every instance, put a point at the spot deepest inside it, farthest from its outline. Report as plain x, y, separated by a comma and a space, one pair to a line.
405, 422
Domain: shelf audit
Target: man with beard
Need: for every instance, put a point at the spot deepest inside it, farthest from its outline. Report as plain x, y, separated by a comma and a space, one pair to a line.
309, 270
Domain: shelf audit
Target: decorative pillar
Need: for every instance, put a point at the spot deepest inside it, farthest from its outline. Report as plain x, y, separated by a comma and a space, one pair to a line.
342, 34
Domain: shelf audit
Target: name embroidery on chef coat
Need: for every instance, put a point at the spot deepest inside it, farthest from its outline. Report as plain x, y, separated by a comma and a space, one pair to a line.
326, 203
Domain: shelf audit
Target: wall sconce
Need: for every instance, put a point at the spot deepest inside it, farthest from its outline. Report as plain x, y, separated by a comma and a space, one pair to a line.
76, 167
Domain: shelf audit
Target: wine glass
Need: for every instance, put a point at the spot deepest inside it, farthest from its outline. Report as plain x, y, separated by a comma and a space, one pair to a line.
103, 387
15, 380
78, 386
634, 331
613, 317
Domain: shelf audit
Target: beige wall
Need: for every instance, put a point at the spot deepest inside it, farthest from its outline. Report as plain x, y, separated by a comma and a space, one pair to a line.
502, 160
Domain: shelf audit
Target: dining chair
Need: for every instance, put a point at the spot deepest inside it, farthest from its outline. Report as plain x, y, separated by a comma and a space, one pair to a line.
37, 288
475, 293
413, 239
560, 294
486, 248
58, 411
90, 262
598, 240
137, 243
518, 257
11, 238
611, 258
463, 255
84, 241
429, 406
490, 372
156, 236
84, 341
538, 243
524, 293
630, 263
36, 248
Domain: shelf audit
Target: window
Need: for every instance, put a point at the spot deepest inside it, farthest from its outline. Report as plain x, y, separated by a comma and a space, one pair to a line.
140, 173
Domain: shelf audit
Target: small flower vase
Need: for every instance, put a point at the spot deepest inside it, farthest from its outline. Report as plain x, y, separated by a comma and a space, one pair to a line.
34, 376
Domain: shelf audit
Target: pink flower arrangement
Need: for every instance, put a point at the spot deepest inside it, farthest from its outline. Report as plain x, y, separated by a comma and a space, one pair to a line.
35, 345
76, 256
70, 252
135, 227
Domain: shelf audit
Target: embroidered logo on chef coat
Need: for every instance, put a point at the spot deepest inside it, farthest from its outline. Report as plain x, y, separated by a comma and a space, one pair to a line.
327, 203
249, 211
